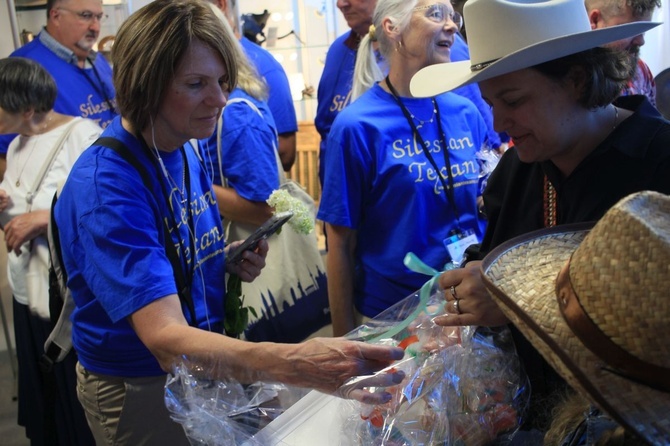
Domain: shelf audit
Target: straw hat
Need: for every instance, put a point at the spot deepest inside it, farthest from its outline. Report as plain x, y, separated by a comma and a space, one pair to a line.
596, 305
509, 35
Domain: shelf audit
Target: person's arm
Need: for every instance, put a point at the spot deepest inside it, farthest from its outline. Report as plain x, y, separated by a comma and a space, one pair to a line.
249, 165
4, 200
235, 208
3, 165
322, 363
25, 227
340, 267
287, 150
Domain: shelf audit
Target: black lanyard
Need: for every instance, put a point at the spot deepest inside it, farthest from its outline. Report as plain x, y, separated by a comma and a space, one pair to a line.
100, 87
448, 189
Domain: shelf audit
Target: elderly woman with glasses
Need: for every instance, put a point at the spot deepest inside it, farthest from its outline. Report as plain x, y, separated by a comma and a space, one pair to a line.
402, 172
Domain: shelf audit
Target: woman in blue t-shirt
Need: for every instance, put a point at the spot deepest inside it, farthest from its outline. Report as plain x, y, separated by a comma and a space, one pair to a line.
174, 68
402, 174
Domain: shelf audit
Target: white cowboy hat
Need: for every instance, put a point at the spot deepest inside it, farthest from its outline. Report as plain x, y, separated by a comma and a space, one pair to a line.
595, 304
509, 35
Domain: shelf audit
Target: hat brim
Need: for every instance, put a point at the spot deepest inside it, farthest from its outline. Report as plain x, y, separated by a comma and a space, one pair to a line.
521, 276
438, 78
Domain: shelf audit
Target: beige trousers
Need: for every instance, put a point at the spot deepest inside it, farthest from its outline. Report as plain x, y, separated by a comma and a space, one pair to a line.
127, 411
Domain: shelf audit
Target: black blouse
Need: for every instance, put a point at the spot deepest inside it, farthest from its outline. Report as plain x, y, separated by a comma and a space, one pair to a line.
634, 157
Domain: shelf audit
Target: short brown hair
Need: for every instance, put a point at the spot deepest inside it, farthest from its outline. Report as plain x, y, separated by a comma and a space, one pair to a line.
605, 73
149, 46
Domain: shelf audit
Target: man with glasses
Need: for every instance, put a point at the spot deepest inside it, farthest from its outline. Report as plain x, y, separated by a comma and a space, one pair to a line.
65, 48
606, 13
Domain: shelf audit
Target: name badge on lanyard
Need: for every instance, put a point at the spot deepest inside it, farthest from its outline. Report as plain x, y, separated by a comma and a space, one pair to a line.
457, 243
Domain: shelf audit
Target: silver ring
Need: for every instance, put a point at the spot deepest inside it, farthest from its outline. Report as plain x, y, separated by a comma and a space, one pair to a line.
452, 290
457, 306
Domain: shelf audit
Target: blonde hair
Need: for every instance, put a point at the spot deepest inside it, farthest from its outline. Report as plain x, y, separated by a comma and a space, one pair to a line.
248, 78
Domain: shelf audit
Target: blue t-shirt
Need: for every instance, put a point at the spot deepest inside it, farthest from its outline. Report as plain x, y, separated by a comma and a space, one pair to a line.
248, 144
85, 92
381, 183
280, 99
334, 92
113, 250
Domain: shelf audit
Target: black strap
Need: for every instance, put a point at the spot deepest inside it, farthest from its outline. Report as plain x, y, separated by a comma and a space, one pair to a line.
100, 89
448, 189
55, 299
183, 289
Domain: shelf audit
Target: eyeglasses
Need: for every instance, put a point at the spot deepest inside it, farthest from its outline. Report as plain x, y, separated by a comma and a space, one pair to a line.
87, 16
440, 12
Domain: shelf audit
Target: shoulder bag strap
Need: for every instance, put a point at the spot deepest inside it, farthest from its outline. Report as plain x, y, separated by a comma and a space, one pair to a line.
49, 160
184, 291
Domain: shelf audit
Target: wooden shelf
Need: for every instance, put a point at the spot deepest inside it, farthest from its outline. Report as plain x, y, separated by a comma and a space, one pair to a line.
306, 168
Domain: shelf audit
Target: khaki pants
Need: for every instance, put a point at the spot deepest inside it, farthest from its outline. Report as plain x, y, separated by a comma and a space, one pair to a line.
127, 411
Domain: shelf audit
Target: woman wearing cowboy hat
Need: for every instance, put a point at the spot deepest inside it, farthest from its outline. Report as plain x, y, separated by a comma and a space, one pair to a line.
577, 150
568, 289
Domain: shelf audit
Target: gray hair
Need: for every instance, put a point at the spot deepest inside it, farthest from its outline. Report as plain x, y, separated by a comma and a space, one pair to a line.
613, 8
367, 71
25, 85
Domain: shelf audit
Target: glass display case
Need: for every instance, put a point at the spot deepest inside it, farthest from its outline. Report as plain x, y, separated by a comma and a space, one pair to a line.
298, 34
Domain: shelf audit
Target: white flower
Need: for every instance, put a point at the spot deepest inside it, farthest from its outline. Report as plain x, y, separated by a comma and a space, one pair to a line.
302, 221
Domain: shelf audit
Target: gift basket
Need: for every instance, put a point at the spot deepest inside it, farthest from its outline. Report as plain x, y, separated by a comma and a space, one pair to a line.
463, 385
218, 412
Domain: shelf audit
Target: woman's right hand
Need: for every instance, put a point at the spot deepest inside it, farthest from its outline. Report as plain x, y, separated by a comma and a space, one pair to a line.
467, 300
326, 364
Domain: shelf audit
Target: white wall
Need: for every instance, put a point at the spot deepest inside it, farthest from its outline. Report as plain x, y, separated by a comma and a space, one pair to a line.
134, 5
656, 50
6, 37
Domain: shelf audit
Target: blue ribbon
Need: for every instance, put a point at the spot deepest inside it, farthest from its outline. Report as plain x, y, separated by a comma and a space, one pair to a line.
415, 264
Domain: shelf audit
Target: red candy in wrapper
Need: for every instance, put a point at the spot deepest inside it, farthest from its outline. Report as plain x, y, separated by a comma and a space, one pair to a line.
409, 340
